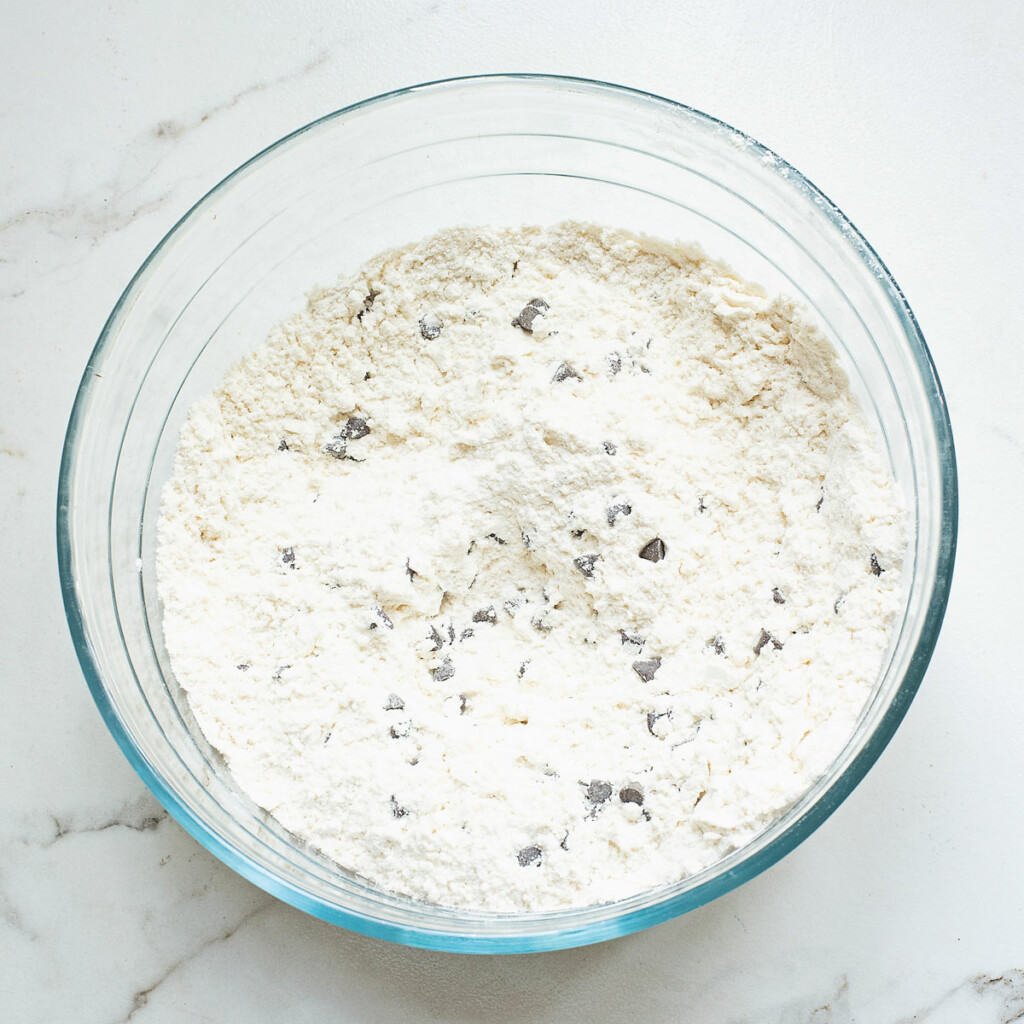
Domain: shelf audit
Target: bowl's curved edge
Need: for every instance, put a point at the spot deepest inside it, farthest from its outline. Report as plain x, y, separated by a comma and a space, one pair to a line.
635, 920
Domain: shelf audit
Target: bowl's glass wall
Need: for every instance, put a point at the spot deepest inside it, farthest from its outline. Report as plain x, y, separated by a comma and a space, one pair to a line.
501, 151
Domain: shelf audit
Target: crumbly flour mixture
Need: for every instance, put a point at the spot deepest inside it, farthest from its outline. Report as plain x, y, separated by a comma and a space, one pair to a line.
530, 568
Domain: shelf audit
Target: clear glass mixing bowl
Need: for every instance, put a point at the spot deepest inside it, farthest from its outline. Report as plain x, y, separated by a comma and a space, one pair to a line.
501, 150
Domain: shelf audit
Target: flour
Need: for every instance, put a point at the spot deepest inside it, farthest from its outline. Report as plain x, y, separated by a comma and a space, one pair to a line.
530, 568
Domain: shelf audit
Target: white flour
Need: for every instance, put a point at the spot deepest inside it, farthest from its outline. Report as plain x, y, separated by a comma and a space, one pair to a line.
433, 648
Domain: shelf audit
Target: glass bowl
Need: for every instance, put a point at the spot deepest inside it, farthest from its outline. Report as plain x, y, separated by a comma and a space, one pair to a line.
501, 149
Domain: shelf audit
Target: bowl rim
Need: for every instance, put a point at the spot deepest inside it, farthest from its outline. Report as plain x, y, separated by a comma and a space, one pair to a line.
556, 938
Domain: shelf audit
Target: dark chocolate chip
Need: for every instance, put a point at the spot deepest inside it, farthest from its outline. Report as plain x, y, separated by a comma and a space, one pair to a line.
244, 667
653, 550
533, 309
577, 533
522, 668
463, 703
701, 507
337, 447
451, 633
465, 634
279, 671
777, 596
564, 844
383, 616
400, 731
355, 428
515, 267
631, 638
529, 855
397, 810
839, 602
288, 556
282, 445
614, 363
327, 737
717, 644
876, 569
764, 639
541, 624
598, 792
647, 668
564, 372
652, 720
368, 302
525, 538
410, 571
631, 795
585, 564
820, 502
394, 703
614, 511
609, 447
430, 327
487, 614
443, 671
500, 541
435, 638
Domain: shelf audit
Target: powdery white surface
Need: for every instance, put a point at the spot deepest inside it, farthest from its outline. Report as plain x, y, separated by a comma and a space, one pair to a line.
433, 650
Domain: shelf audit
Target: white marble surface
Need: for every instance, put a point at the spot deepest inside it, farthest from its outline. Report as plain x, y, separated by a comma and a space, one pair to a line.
908, 905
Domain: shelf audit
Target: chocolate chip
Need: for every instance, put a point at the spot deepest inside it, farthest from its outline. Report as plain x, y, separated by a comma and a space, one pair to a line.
355, 428
876, 569
717, 644
541, 624
288, 556
282, 445
400, 731
564, 844
410, 571
279, 671
821, 501
614, 511
609, 447
500, 541
614, 363
529, 855
764, 639
522, 668
465, 634
585, 564
367, 304
451, 633
839, 602
529, 313
701, 507
383, 616
631, 638
777, 596
487, 614
564, 372
337, 447
647, 668
515, 267
397, 811
631, 795
653, 550
430, 327
435, 638
394, 703
652, 720
463, 703
598, 792
511, 605
244, 667
577, 534
443, 671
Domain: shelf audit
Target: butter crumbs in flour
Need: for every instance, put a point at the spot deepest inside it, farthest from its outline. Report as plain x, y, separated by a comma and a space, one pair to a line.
531, 568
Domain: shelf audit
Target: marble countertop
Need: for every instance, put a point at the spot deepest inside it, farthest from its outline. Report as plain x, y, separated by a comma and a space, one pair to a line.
908, 905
